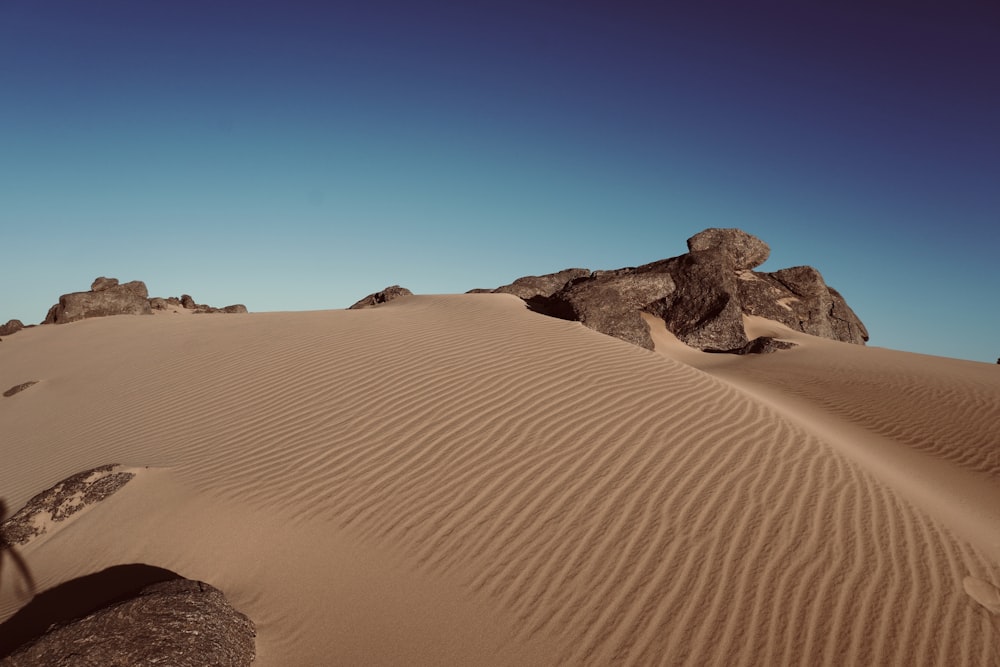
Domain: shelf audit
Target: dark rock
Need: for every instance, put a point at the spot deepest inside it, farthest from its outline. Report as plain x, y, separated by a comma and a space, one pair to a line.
702, 296
742, 250
188, 302
235, 308
19, 388
177, 622
705, 310
103, 283
800, 299
62, 501
610, 302
760, 345
128, 299
386, 295
158, 303
12, 327
532, 286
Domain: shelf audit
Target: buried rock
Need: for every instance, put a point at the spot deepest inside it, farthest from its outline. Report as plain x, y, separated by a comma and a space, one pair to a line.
176, 622
61, 501
385, 296
19, 388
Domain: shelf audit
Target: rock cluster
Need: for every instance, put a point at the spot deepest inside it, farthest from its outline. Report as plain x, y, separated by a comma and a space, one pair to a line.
386, 295
188, 303
176, 622
108, 297
701, 296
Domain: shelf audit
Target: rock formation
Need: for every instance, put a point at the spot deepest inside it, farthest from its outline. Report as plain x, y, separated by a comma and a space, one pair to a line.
12, 327
386, 295
701, 296
188, 303
106, 297
61, 501
177, 622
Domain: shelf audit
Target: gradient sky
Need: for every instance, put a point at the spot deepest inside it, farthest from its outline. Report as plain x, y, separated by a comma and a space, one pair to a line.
298, 155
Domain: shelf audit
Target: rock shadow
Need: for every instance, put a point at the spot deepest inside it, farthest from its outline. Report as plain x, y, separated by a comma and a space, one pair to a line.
77, 598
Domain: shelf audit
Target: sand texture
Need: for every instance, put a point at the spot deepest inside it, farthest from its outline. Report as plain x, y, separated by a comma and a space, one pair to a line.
457, 480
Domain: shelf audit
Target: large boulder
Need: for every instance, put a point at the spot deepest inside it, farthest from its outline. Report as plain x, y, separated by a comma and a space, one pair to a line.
702, 296
12, 326
611, 302
741, 250
176, 622
109, 298
385, 296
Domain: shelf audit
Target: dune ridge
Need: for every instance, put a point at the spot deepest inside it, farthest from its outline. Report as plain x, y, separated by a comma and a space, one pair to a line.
610, 504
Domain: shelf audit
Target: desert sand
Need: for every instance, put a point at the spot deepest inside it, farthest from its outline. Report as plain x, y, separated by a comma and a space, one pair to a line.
455, 480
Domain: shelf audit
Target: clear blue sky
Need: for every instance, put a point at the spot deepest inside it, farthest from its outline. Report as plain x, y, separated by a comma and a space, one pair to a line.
299, 155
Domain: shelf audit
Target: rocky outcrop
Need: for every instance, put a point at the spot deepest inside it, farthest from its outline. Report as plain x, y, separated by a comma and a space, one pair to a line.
12, 327
105, 298
701, 296
188, 303
385, 296
61, 501
176, 622
108, 297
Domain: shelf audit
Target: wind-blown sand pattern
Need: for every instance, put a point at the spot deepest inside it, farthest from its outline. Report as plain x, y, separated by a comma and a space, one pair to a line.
457, 480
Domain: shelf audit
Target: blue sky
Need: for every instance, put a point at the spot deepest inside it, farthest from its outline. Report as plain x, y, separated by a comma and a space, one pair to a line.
296, 155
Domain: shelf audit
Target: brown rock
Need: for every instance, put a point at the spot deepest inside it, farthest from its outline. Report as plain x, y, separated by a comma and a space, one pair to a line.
12, 327
702, 296
177, 622
529, 287
103, 283
742, 250
188, 302
610, 302
128, 299
61, 501
385, 296
19, 388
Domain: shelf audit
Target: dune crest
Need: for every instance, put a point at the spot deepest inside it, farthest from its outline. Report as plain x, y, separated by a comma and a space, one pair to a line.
554, 495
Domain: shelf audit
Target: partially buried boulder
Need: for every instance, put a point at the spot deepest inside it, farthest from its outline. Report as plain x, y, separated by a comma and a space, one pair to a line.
60, 501
385, 296
177, 622
12, 326
109, 298
702, 296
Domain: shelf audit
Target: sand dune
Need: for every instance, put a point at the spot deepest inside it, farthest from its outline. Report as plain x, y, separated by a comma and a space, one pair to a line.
456, 480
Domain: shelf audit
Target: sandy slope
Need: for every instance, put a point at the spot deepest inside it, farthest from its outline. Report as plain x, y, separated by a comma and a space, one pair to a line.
456, 480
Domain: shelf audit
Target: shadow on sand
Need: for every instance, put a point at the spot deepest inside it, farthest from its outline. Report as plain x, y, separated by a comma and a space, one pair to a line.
76, 598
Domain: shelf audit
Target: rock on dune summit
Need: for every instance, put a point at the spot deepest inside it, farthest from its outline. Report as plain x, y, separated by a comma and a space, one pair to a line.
701, 296
106, 297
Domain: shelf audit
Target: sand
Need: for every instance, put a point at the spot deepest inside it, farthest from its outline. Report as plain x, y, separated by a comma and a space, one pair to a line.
457, 480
